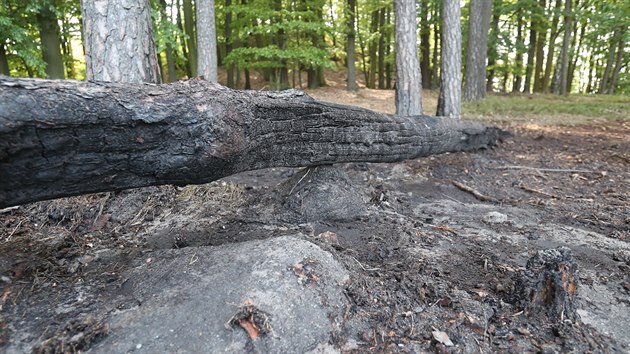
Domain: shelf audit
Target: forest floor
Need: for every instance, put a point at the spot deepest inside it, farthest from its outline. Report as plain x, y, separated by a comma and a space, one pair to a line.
432, 264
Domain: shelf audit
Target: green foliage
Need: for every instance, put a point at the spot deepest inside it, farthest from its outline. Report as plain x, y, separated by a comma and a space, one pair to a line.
278, 34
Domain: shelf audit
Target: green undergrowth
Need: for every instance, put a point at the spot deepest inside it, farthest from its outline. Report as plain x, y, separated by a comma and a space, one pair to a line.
570, 109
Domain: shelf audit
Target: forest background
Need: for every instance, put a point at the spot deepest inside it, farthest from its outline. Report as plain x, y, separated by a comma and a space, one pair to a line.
292, 43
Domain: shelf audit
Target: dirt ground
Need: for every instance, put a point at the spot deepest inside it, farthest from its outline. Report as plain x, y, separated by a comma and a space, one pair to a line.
435, 259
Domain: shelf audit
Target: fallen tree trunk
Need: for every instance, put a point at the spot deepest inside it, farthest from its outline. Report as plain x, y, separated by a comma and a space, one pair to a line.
64, 138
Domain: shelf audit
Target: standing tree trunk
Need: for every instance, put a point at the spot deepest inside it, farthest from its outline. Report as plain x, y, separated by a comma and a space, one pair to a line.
540, 50
449, 101
66, 48
182, 39
228, 42
388, 50
170, 61
603, 84
518, 62
425, 45
372, 49
81, 137
118, 41
381, 49
408, 77
51, 44
189, 25
206, 40
564, 54
351, 50
530, 56
551, 46
477, 49
618, 64
4, 62
434, 77
492, 47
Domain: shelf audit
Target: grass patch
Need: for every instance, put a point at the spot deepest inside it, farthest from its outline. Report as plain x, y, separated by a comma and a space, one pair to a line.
571, 109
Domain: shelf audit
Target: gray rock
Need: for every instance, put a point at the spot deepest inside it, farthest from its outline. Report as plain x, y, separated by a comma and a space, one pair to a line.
193, 299
495, 217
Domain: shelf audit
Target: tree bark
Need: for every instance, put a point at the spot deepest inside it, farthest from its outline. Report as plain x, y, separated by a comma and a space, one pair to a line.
540, 49
564, 56
118, 41
189, 25
518, 62
51, 43
63, 138
477, 50
170, 61
408, 78
449, 101
603, 84
206, 40
373, 51
425, 46
4, 61
381, 49
618, 64
351, 50
551, 47
531, 53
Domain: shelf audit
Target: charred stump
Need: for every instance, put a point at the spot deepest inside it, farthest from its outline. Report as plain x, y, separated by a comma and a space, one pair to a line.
548, 286
64, 138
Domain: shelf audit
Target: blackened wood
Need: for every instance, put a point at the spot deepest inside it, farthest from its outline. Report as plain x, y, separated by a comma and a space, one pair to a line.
64, 138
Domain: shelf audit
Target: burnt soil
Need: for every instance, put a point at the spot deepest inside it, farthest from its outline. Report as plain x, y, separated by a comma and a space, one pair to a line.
427, 257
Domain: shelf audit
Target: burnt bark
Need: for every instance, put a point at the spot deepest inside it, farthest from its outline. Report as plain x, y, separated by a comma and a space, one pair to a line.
64, 138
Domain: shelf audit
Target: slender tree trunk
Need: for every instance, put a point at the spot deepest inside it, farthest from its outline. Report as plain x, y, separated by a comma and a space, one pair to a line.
408, 77
434, 77
591, 72
4, 61
530, 57
351, 84
228, 42
492, 47
373, 47
381, 49
189, 24
477, 50
119, 42
566, 40
540, 52
51, 44
66, 48
182, 39
425, 45
618, 64
573, 51
449, 101
518, 62
170, 62
388, 51
603, 84
105, 136
553, 35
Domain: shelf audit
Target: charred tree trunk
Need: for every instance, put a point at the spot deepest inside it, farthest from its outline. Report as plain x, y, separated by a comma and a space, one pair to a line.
82, 137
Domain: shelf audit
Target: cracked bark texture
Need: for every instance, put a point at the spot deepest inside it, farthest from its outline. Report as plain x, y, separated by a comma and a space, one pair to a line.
408, 78
450, 99
64, 138
206, 40
118, 41
477, 50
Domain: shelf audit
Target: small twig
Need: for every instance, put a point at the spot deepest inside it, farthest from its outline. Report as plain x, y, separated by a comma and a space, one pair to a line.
532, 190
301, 179
559, 170
474, 192
6, 210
